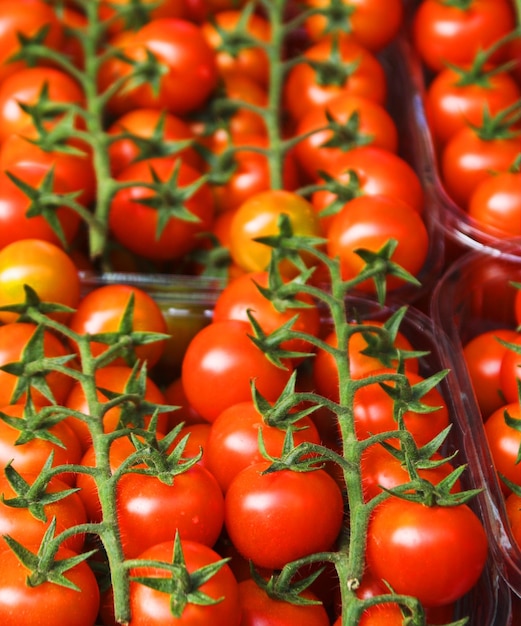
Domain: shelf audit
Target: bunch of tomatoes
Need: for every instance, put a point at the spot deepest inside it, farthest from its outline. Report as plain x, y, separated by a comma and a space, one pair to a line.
294, 464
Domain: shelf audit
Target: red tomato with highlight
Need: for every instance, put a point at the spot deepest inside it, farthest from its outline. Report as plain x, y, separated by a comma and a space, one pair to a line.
503, 442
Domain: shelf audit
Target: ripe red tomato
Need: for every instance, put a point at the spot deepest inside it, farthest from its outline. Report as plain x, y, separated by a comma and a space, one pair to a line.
192, 506
370, 23
25, 87
362, 121
101, 311
112, 378
369, 222
148, 124
15, 224
242, 294
495, 204
443, 33
513, 511
306, 87
258, 216
251, 61
509, 372
233, 441
444, 548
267, 515
20, 524
219, 366
259, 608
386, 614
47, 604
180, 46
153, 608
503, 442
25, 18
29, 458
14, 338
135, 224
483, 355
44, 267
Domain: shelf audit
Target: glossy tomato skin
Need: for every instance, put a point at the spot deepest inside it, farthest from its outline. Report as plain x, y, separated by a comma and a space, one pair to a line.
267, 515
47, 604
46, 268
233, 441
375, 127
191, 66
305, 89
445, 549
369, 222
134, 224
371, 24
102, 309
495, 204
509, 372
152, 608
258, 609
448, 34
504, 441
219, 365
192, 506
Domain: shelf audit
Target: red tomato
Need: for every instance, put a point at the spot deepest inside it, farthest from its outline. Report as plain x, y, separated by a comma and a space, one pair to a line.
251, 61
193, 506
444, 548
20, 524
368, 170
242, 294
233, 441
513, 511
509, 372
386, 614
267, 515
259, 608
25, 87
325, 375
369, 22
153, 608
219, 366
135, 224
197, 441
115, 378
373, 411
369, 222
503, 442
15, 224
44, 267
258, 217
179, 45
153, 124
495, 204
443, 33
14, 339
451, 102
29, 458
27, 18
175, 396
468, 159
102, 309
47, 604
358, 73
483, 356
362, 122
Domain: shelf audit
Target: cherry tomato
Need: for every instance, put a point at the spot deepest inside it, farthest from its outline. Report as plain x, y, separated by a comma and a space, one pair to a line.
219, 365
434, 553
233, 441
47, 604
444, 34
369, 222
177, 44
153, 608
513, 511
43, 266
175, 396
306, 87
135, 224
509, 372
102, 309
258, 216
362, 122
267, 515
503, 442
